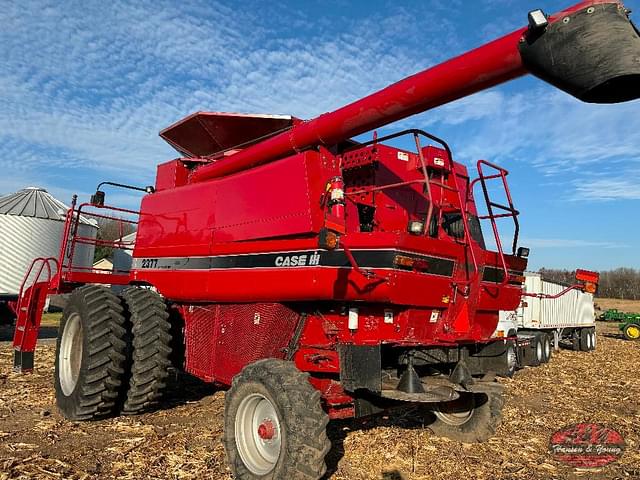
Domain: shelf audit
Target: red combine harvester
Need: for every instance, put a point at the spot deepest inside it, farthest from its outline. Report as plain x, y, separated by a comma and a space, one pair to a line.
316, 276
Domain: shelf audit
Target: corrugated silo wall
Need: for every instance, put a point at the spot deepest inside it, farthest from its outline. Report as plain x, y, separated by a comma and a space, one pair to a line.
24, 238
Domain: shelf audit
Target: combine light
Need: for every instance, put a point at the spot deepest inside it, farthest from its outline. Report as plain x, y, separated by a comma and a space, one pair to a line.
416, 227
537, 20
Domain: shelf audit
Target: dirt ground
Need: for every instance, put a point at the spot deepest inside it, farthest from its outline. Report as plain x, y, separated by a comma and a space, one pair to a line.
183, 439
628, 306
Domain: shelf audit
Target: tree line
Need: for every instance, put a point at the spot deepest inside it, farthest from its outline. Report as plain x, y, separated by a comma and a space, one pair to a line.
623, 283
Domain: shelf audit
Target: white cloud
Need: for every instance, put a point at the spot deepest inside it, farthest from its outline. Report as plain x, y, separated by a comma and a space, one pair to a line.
627, 188
555, 243
96, 83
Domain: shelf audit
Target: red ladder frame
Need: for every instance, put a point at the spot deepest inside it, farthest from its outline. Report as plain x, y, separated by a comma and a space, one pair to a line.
61, 277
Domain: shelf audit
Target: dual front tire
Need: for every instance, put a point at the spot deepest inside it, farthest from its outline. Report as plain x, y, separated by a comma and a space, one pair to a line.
112, 354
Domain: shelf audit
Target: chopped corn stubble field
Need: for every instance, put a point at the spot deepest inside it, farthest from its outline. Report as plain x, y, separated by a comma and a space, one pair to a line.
183, 439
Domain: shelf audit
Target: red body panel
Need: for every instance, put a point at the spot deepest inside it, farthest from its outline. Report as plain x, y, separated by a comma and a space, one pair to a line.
279, 200
251, 237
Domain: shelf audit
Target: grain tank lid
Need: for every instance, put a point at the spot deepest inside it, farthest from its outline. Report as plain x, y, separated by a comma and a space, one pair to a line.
204, 134
35, 202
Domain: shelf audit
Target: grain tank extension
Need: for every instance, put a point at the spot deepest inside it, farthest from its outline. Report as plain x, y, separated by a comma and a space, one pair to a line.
319, 277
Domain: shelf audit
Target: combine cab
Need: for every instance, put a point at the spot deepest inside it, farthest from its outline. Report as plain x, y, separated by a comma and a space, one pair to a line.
322, 278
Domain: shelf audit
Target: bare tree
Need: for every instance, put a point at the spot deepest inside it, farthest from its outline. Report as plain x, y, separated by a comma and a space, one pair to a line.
110, 230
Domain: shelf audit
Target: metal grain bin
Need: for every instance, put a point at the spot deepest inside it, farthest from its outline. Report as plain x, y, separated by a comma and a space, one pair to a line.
31, 226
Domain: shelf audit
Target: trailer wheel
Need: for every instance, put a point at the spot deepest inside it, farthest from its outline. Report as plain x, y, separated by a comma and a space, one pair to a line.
546, 348
594, 338
274, 424
474, 417
511, 359
632, 331
151, 349
538, 349
90, 354
576, 343
585, 339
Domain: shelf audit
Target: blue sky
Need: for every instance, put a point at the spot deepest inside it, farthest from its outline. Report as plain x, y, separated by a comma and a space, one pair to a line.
85, 87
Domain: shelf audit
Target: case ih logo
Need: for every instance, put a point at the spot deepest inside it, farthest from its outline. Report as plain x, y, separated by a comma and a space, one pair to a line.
297, 260
587, 445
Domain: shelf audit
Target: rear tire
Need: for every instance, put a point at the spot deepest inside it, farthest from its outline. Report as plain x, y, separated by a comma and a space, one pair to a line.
538, 350
632, 331
511, 360
275, 427
90, 354
585, 339
151, 349
546, 348
473, 418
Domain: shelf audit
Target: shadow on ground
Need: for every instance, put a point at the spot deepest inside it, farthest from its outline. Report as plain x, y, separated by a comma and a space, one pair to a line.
616, 336
182, 389
409, 418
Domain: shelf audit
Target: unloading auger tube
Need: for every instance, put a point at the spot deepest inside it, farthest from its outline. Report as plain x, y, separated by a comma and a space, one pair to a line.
590, 50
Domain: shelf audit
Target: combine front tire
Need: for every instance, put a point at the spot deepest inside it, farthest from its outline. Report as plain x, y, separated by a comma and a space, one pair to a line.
90, 354
474, 417
275, 427
151, 349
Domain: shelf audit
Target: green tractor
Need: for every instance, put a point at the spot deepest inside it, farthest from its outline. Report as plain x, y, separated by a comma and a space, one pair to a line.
613, 315
630, 326
629, 322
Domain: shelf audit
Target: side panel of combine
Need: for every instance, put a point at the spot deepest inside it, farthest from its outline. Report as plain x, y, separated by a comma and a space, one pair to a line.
220, 339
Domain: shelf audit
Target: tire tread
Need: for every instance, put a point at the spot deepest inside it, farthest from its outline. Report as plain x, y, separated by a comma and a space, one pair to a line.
151, 341
103, 326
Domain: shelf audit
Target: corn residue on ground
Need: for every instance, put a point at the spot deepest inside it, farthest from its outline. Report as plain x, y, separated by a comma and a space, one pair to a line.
183, 440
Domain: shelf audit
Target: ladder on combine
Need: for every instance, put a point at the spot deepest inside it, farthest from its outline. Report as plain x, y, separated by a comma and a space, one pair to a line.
508, 211
51, 276
31, 302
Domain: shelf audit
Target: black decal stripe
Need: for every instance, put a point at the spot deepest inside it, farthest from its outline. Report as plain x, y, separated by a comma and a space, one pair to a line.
496, 275
381, 259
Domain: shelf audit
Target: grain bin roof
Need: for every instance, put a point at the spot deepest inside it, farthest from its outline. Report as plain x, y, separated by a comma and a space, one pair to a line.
34, 202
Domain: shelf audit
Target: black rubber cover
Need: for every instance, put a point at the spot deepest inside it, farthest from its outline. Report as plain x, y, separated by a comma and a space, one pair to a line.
593, 54
360, 367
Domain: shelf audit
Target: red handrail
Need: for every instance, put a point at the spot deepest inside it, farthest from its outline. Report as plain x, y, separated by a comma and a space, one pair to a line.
510, 209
